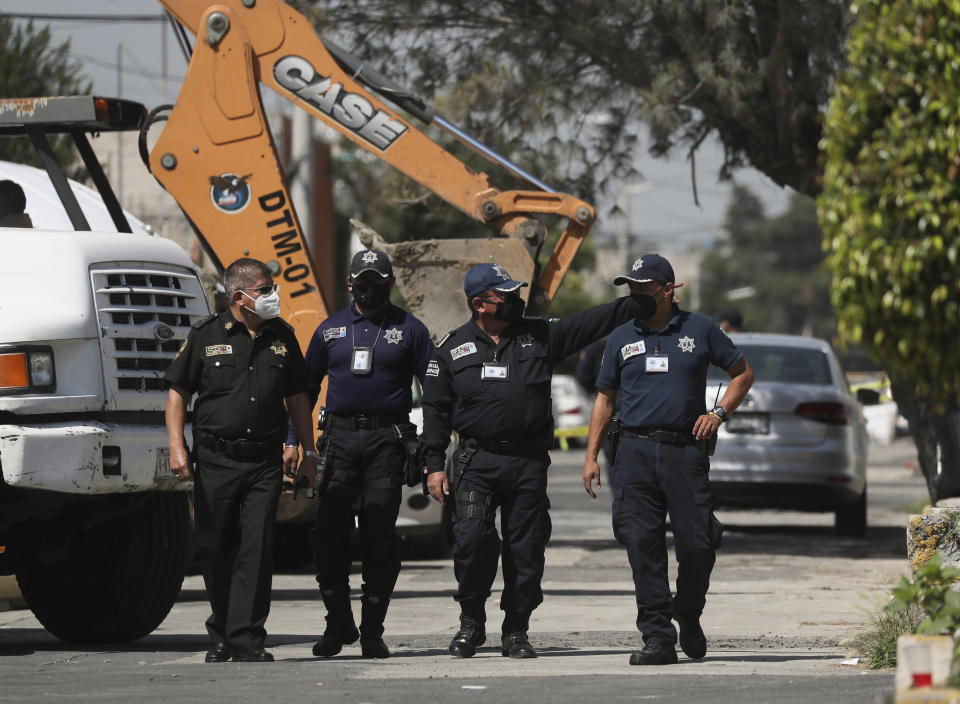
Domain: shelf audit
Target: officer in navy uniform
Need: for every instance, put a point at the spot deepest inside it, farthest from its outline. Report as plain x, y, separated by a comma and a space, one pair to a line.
243, 364
369, 351
659, 364
489, 380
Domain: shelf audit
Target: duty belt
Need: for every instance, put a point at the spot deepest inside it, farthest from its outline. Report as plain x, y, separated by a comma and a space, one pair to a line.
506, 447
241, 449
367, 421
669, 437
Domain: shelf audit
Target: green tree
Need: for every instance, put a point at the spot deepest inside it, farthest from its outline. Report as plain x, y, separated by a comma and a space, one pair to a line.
781, 259
890, 209
566, 84
31, 66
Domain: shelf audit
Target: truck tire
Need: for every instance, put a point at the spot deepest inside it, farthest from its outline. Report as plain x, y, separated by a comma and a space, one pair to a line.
118, 579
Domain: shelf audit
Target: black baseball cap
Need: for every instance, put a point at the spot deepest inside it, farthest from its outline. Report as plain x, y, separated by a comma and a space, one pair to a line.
649, 267
371, 260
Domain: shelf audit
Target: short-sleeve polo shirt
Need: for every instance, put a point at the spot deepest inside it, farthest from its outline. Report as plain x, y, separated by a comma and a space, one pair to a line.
673, 399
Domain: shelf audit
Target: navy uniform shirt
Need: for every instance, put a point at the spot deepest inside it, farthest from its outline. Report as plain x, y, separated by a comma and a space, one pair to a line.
401, 349
672, 399
241, 381
456, 397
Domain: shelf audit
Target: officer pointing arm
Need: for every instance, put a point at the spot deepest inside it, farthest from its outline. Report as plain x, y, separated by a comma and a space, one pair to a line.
489, 380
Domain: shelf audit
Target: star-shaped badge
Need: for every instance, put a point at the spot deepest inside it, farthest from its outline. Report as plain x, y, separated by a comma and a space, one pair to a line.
393, 336
280, 349
499, 271
686, 344
369, 257
638, 264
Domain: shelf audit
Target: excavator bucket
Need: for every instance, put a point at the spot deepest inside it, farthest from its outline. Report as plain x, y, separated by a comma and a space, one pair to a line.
430, 272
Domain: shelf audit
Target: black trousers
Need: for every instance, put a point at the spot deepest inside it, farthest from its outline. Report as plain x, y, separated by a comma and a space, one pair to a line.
652, 479
365, 467
236, 508
517, 485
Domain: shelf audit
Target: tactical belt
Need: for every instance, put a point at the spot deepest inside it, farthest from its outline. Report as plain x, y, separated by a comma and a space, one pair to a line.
506, 447
367, 421
241, 449
668, 437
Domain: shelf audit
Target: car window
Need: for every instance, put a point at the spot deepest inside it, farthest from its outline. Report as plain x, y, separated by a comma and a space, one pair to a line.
791, 365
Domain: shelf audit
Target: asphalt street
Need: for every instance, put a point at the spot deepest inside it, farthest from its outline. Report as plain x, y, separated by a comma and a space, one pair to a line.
785, 594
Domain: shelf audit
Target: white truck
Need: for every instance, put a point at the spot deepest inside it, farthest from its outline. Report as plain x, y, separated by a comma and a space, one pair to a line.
92, 522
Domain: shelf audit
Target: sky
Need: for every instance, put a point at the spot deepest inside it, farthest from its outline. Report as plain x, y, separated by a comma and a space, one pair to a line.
128, 60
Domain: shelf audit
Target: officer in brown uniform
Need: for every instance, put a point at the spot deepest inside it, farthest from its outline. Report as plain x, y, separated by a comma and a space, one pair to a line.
242, 364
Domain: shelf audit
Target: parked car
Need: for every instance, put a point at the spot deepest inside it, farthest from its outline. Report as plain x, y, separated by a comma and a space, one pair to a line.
799, 439
571, 408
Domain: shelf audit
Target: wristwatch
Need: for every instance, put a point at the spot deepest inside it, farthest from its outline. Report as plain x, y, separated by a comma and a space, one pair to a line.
310, 453
721, 413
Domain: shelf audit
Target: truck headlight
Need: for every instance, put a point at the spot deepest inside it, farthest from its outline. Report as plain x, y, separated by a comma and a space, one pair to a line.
41, 368
27, 369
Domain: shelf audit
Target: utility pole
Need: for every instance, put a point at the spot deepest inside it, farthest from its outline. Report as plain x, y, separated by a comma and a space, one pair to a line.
624, 234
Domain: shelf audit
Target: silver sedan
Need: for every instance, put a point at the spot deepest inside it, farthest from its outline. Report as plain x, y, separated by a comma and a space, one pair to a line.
799, 440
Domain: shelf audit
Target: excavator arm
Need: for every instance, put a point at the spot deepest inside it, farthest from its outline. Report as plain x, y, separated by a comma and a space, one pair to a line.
216, 157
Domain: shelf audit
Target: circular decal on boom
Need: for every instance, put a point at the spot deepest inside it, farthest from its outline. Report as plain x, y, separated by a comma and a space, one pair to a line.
230, 193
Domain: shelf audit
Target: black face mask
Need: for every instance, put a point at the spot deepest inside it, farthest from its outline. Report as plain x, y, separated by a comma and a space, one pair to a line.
370, 296
510, 310
645, 305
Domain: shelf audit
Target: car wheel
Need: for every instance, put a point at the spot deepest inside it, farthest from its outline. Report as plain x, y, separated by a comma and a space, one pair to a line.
852, 519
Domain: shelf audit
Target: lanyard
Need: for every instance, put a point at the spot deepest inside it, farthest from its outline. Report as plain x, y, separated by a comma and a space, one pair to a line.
353, 333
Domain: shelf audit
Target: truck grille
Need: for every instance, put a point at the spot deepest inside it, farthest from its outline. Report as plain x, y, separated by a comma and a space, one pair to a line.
145, 313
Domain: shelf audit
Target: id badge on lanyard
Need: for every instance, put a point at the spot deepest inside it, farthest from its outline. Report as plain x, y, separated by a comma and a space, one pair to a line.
658, 363
494, 371
361, 362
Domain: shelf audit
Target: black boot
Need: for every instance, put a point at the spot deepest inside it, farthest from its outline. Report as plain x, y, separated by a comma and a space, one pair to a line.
341, 629
373, 612
514, 640
472, 635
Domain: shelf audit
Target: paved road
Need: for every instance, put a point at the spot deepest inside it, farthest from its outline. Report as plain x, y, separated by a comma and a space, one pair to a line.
785, 593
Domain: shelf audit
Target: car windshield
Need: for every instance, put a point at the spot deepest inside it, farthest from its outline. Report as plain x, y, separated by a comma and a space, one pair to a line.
791, 365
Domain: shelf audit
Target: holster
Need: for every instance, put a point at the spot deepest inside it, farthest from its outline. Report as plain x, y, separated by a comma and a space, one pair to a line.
462, 458
323, 446
406, 434
707, 445
614, 433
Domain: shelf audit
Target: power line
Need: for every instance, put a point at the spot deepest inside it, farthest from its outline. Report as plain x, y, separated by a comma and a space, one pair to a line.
59, 17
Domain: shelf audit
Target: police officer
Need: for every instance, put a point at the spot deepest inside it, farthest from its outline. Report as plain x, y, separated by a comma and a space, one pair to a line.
490, 381
369, 351
659, 363
243, 364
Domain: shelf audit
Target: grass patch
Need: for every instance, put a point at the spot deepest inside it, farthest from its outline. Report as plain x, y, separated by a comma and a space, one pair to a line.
876, 643
914, 508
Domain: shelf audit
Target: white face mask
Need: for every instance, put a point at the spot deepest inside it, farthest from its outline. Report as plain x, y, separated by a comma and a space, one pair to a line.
266, 307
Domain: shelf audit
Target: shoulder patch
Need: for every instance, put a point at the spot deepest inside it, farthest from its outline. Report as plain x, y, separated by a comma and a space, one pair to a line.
200, 323
334, 333
632, 349
463, 350
433, 368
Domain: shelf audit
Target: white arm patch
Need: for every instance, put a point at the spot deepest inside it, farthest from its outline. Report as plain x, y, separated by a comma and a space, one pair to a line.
632, 349
463, 350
